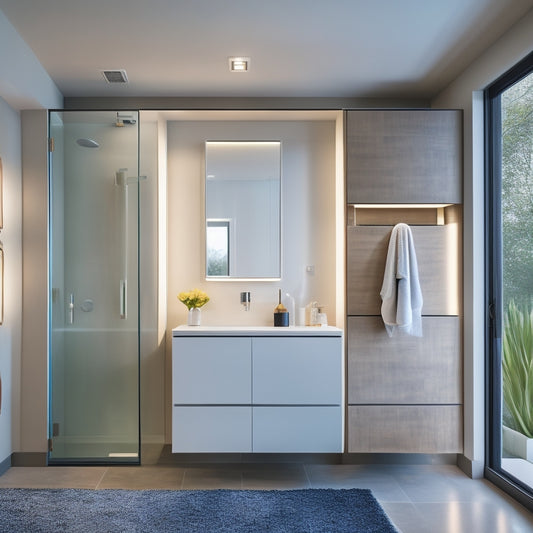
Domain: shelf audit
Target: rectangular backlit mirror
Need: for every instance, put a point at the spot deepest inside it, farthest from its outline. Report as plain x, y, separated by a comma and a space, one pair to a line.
243, 209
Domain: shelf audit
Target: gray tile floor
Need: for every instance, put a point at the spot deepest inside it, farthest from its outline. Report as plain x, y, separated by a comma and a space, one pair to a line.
417, 498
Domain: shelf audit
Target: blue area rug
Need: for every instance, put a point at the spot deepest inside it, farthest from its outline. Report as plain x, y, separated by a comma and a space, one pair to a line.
199, 511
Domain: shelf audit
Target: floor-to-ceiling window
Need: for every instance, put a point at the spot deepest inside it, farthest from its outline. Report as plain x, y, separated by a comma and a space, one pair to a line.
510, 281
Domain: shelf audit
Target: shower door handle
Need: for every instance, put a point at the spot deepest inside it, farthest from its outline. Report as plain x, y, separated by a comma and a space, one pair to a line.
71, 308
123, 298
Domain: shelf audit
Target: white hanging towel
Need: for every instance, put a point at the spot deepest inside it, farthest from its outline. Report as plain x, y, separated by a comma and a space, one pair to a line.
401, 306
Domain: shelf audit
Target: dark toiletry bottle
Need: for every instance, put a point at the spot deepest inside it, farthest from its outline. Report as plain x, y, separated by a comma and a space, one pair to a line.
281, 315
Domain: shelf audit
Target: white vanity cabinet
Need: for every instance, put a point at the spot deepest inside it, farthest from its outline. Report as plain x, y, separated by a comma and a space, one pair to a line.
257, 390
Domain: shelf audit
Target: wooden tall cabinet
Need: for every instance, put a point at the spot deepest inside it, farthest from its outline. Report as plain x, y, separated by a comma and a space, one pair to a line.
404, 393
404, 156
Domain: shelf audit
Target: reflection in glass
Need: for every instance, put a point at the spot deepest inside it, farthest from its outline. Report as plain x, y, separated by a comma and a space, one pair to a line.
218, 247
243, 188
517, 279
94, 280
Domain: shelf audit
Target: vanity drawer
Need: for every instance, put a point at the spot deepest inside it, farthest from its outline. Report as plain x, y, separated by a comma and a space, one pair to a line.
211, 370
288, 371
297, 429
197, 429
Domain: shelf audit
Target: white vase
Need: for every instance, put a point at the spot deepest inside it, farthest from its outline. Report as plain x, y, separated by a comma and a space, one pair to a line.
195, 316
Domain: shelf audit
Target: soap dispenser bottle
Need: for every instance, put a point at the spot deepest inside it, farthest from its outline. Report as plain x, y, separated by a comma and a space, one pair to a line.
281, 315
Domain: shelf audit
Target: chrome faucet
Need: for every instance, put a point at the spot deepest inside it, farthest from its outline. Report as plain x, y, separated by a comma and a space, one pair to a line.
245, 300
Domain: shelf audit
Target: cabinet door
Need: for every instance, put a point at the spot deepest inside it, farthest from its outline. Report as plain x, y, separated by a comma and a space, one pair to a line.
404, 369
404, 156
297, 370
405, 429
211, 370
211, 429
438, 260
297, 429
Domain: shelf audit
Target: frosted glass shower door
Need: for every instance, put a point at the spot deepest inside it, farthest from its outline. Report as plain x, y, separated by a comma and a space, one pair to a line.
94, 303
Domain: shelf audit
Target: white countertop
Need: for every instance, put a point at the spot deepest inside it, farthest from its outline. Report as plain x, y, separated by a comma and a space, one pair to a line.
256, 331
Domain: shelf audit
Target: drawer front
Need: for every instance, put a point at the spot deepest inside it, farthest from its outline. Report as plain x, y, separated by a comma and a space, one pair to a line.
437, 253
288, 371
297, 429
404, 369
211, 370
211, 429
405, 429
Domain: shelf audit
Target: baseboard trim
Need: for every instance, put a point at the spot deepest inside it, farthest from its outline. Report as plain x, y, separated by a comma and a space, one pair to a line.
400, 458
29, 459
473, 469
5, 465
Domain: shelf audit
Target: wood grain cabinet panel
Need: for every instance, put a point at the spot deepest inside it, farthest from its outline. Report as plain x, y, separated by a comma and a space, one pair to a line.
438, 259
405, 429
405, 369
404, 156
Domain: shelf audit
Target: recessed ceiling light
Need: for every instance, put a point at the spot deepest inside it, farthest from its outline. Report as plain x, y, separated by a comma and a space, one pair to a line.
239, 64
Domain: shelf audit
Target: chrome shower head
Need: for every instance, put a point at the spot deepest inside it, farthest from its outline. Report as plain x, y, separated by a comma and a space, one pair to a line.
88, 143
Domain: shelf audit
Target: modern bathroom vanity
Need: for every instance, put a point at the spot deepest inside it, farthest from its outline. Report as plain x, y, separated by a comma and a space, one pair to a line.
257, 389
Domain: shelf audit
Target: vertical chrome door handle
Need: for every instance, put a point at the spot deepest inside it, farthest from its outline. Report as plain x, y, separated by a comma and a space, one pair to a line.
123, 298
71, 309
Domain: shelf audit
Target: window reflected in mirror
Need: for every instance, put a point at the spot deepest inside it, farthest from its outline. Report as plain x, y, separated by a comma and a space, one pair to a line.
218, 247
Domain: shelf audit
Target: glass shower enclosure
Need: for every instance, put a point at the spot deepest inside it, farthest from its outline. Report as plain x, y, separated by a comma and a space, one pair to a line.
94, 288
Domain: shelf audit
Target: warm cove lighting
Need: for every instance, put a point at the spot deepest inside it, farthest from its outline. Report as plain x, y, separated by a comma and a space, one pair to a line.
239, 64
399, 206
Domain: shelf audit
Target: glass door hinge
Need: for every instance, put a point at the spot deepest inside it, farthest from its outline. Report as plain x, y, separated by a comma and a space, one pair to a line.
50, 445
51, 144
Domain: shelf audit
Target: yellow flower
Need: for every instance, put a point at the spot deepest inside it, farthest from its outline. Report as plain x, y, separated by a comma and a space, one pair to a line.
193, 298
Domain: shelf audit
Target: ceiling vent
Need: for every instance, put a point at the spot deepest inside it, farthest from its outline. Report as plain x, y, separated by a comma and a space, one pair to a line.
115, 76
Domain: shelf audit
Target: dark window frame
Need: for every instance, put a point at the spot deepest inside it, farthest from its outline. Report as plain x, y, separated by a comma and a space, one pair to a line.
493, 284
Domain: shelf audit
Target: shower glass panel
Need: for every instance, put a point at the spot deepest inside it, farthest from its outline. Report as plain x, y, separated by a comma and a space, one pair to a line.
94, 300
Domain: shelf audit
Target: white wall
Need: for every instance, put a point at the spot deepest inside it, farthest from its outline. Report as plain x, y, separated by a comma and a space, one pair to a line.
24, 84
10, 236
466, 93
308, 222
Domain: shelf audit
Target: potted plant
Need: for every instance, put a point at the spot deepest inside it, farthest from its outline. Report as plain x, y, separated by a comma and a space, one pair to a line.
517, 375
193, 300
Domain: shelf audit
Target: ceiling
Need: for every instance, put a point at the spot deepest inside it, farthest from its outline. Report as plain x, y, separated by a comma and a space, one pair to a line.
298, 48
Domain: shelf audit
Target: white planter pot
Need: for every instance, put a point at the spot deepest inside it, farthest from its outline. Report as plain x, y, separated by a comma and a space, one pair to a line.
194, 318
517, 444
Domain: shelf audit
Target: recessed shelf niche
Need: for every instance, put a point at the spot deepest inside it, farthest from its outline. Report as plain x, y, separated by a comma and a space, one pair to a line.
412, 214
